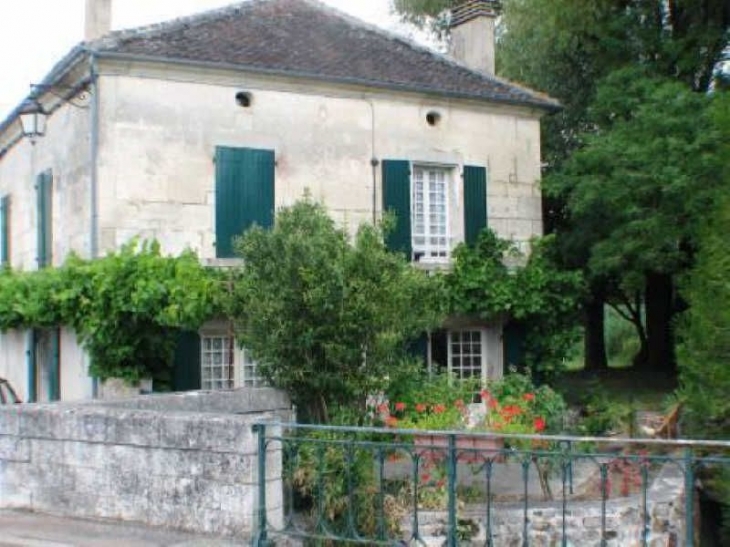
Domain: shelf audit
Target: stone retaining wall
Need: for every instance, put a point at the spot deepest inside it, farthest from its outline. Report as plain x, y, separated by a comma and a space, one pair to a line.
624, 520
185, 461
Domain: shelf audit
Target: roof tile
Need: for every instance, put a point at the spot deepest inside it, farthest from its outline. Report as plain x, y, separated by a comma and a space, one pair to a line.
306, 38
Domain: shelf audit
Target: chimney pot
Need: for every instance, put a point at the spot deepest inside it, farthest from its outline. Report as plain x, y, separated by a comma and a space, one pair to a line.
472, 34
98, 19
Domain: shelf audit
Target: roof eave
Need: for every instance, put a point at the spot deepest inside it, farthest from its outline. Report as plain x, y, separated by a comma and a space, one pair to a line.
59, 70
549, 106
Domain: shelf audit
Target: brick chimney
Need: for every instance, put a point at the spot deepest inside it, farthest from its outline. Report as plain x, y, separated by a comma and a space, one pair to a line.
98, 19
472, 33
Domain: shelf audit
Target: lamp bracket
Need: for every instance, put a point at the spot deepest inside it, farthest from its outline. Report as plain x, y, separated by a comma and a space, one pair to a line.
74, 95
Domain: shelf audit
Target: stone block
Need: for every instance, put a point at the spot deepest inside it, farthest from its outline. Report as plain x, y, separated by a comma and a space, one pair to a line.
47, 451
15, 497
9, 420
133, 428
14, 449
87, 425
40, 422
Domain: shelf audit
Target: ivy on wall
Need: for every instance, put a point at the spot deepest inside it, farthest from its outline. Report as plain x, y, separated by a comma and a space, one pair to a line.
493, 279
126, 307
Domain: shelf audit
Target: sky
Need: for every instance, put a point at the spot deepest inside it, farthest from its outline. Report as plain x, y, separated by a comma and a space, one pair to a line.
35, 34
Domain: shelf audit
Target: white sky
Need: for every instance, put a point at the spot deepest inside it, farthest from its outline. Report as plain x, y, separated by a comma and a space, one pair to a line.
35, 34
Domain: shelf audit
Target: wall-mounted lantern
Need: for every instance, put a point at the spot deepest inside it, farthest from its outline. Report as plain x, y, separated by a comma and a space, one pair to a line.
32, 119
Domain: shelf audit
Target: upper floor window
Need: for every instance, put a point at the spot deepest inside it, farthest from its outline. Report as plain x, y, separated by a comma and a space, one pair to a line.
429, 220
430, 214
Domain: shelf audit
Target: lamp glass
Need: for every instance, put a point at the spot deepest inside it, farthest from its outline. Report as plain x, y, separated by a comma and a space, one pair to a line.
33, 120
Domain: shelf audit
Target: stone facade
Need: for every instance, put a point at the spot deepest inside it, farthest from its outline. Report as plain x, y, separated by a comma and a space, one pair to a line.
184, 461
133, 155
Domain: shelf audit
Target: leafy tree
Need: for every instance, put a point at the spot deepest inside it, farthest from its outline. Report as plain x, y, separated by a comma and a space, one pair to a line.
704, 329
564, 48
640, 188
325, 316
705, 326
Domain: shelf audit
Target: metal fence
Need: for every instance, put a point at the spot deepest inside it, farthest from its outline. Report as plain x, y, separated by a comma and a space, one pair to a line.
375, 486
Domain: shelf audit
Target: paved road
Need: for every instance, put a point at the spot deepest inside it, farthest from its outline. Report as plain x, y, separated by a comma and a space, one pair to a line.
21, 529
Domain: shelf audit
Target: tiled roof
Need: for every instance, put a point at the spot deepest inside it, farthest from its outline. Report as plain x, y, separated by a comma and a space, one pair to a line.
309, 39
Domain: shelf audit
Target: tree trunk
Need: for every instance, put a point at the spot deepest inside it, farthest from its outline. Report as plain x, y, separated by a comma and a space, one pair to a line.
659, 312
594, 339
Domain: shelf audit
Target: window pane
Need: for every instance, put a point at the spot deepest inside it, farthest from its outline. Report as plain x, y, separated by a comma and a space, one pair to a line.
429, 211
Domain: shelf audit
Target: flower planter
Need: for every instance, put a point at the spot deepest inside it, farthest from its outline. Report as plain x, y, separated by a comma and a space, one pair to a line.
470, 448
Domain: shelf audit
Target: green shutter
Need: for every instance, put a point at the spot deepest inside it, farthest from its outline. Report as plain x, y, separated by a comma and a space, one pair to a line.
5, 231
44, 192
397, 200
418, 348
513, 345
54, 378
31, 365
186, 367
244, 194
475, 202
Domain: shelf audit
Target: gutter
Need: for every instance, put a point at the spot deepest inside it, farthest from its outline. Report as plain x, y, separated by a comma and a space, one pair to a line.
94, 156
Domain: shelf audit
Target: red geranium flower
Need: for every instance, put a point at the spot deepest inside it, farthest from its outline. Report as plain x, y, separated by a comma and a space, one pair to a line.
511, 410
529, 396
400, 407
420, 407
539, 424
439, 409
391, 421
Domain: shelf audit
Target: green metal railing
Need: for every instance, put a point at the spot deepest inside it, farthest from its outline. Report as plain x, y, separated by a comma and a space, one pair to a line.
372, 486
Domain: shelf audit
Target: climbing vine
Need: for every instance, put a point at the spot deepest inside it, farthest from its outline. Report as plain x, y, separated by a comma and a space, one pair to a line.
126, 308
493, 279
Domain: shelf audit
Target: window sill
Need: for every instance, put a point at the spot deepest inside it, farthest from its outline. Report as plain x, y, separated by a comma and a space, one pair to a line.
223, 262
435, 266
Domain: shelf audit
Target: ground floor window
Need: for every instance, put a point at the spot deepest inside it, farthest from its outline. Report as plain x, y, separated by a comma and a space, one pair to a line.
472, 352
466, 354
225, 365
216, 362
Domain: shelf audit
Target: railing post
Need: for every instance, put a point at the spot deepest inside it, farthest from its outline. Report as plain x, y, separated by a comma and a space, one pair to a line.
260, 538
451, 462
689, 494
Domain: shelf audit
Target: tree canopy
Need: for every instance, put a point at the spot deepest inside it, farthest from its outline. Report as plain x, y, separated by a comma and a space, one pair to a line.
705, 327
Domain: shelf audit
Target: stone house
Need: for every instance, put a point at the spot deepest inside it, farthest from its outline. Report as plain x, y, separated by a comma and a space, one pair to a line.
191, 130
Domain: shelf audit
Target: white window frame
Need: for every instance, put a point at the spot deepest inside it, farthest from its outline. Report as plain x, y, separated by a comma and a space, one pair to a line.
424, 248
216, 376
240, 371
458, 372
